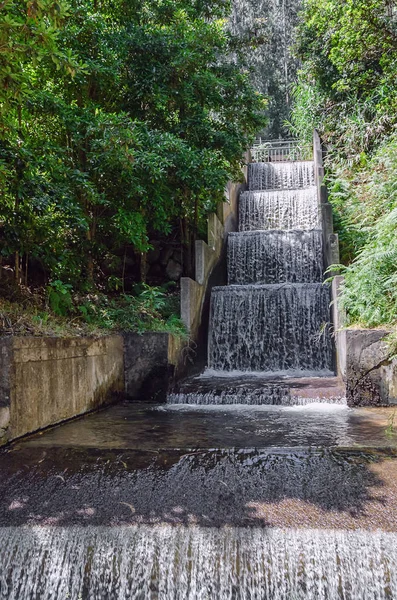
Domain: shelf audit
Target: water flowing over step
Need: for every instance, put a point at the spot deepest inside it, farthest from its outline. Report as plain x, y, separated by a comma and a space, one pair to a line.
279, 209
187, 563
275, 257
270, 328
257, 391
272, 321
280, 176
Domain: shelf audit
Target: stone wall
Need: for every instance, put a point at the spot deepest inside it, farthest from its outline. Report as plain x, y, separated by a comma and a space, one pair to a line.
47, 380
371, 375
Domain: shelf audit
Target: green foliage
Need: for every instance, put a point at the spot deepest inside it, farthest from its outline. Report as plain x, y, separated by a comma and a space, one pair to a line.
133, 120
366, 206
60, 297
149, 310
347, 82
63, 313
348, 90
28, 36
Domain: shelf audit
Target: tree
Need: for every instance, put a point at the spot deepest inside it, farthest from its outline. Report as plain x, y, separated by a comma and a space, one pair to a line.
138, 140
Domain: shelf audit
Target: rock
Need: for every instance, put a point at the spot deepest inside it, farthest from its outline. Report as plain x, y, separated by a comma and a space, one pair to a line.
173, 270
166, 255
4, 417
176, 256
371, 375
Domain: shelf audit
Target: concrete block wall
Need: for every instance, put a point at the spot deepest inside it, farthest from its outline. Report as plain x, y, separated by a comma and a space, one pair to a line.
150, 361
331, 255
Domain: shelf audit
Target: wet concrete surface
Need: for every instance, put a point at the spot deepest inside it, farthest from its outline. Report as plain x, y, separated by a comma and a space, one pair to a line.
137, 464
285, 488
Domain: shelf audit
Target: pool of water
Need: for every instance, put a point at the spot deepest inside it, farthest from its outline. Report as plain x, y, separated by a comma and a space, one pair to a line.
146, 427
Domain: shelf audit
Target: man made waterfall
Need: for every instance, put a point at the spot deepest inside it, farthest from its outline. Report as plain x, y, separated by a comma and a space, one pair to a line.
275, 257
165, 562
273, 317
271, 328
271, 322
280, 176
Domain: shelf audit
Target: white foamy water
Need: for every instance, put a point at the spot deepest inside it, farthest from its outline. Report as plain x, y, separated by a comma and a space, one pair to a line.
180, 563
273, 319
289, 374
309, 407
275, 257
270, 328
279, 209
280, 176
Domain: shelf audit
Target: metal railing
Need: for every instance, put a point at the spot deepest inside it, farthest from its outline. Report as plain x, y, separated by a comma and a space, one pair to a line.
281, 150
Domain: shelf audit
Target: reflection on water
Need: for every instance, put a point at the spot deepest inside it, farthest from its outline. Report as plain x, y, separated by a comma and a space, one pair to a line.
164, 563
177, 426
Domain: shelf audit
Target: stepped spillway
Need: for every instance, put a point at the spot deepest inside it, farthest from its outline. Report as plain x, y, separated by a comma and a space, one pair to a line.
280, 176
272, 320
270, 328
279, 209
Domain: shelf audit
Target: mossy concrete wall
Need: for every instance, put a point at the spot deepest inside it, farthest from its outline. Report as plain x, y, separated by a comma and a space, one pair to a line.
48, 380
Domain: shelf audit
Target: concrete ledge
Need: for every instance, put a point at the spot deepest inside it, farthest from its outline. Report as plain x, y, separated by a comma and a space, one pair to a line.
371, 375
48, 380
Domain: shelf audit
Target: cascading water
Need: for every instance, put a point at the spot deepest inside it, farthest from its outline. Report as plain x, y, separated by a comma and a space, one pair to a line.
275, 257
279, 209
280, 176
271, 328
273, 317
272, 320
164, 562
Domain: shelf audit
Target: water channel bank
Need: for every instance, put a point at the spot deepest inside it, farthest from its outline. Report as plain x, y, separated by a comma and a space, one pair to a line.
48, 380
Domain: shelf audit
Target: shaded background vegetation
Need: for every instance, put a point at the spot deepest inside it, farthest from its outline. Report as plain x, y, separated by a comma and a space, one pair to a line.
267, 29
347, 88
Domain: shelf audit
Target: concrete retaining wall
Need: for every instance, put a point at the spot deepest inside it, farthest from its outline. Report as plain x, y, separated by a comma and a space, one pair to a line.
331, 256
371, 375
193, 291
150, 361
48, 380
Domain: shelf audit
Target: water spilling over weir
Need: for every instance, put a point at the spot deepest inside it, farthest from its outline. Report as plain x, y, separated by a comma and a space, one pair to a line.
163, 563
